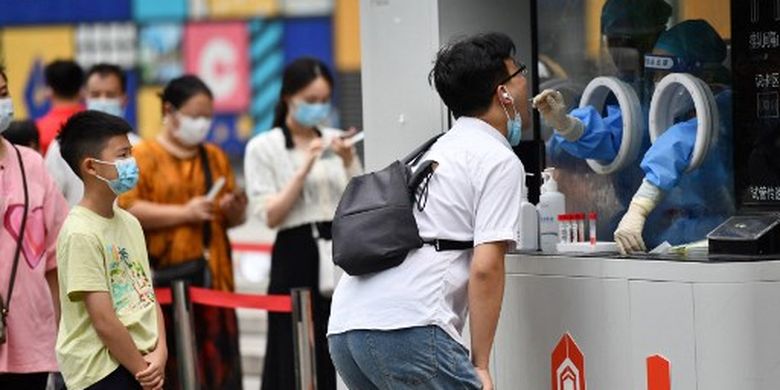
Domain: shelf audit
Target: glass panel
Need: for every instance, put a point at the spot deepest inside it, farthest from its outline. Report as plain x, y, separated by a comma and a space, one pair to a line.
581, 40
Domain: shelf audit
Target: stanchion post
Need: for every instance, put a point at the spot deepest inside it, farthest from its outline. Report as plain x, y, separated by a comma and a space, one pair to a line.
185, 339
303, 340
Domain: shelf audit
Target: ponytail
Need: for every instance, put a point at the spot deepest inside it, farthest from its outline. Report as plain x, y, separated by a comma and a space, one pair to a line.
280, 113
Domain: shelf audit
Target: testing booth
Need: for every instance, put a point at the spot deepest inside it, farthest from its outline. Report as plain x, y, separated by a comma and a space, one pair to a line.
703, 310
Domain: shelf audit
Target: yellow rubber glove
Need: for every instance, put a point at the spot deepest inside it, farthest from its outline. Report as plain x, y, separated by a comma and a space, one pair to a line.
552, 107
628, 235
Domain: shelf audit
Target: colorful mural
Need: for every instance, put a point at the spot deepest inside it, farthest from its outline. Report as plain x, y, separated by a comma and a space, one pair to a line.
238, 47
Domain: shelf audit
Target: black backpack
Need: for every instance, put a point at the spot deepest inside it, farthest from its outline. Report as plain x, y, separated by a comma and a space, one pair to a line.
374, 226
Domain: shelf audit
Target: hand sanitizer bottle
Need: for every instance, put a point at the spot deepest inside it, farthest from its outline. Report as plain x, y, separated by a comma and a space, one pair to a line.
528, 226
551, 204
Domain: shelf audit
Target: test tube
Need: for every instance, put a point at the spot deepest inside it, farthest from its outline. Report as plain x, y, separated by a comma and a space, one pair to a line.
581, 227
573, 219
563, 232
592, 227
572, 227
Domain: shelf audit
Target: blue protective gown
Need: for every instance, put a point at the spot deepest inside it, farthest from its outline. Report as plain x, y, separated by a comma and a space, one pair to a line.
601, 138
699, 201
696, 202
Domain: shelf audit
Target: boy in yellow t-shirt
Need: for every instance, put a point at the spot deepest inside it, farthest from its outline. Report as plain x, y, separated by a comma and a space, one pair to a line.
111, 334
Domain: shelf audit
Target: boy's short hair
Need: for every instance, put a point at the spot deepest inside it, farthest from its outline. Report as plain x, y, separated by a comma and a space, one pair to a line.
467, 72
104, 69
85, 135
65, 78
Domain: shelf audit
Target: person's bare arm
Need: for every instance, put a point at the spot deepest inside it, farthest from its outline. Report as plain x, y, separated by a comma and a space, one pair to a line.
153, 376
157, 216
233, 207
486, 292
112, 332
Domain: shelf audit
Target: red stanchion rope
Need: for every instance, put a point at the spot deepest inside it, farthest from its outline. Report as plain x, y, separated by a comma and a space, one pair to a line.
204, 296
164, 296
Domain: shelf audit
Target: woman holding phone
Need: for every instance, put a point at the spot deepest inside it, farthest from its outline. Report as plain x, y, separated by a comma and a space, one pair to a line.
295, 175
184, 223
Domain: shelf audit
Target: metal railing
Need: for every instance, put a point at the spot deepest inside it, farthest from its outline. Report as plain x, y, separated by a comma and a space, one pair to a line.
302, 321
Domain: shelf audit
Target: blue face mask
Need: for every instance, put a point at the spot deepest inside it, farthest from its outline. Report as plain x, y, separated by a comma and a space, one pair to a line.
311, 114
109, 106
127, 175
514, 125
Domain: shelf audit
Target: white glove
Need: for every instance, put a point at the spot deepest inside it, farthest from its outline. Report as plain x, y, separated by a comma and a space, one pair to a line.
553, 109
628, 235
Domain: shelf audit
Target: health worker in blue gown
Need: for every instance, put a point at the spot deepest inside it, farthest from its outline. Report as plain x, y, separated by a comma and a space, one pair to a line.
691, 204
684, 207
629, 29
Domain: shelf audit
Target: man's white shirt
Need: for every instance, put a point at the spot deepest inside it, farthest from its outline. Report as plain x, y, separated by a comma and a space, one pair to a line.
474, 194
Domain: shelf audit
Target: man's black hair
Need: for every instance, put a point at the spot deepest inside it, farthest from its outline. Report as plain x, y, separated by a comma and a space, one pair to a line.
467, 72
104, 69
65, 78
22, 132
85, 135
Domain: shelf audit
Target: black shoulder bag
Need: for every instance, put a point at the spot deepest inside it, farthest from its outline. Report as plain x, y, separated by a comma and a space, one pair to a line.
195, 272
374, 226
6, 303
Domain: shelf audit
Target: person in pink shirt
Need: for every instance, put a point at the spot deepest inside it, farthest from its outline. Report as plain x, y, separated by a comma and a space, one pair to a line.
27, 355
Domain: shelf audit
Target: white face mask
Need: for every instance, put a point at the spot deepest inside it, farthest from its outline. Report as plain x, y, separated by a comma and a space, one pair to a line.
107, 105
6, 113
192, 131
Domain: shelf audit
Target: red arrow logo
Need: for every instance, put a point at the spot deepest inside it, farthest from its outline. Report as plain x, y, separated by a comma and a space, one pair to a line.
658, 373
568, 365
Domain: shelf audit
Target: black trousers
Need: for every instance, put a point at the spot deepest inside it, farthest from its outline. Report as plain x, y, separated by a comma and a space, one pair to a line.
295, 263
31, 381
120, 378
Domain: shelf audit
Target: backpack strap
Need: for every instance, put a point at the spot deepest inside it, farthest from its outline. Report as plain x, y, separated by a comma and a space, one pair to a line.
18, 239
423, 174
208, 180
413, 157
449, 245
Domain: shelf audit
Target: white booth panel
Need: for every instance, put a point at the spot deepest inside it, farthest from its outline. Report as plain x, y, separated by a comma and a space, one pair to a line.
738, 335
460, 18
665, 329
399, 42
399, 39
539, 310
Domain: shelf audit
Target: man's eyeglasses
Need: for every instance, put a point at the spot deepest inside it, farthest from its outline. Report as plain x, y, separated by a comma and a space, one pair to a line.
521, 68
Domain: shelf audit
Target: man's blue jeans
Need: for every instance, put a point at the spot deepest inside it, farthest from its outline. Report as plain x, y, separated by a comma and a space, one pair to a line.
412, 358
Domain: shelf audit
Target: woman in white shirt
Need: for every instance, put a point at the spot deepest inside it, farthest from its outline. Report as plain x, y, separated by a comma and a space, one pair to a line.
295, 174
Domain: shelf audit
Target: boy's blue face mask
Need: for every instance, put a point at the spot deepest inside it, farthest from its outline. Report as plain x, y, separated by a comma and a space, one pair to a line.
127, 175
311, 114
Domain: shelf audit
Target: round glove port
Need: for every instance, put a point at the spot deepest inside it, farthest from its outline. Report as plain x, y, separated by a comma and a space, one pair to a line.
661, 112
595, 95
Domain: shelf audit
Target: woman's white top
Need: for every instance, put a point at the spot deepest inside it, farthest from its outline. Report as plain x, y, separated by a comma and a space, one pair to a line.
269, 166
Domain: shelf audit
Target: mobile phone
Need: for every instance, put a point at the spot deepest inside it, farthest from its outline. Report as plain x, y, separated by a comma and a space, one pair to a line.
215, 188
